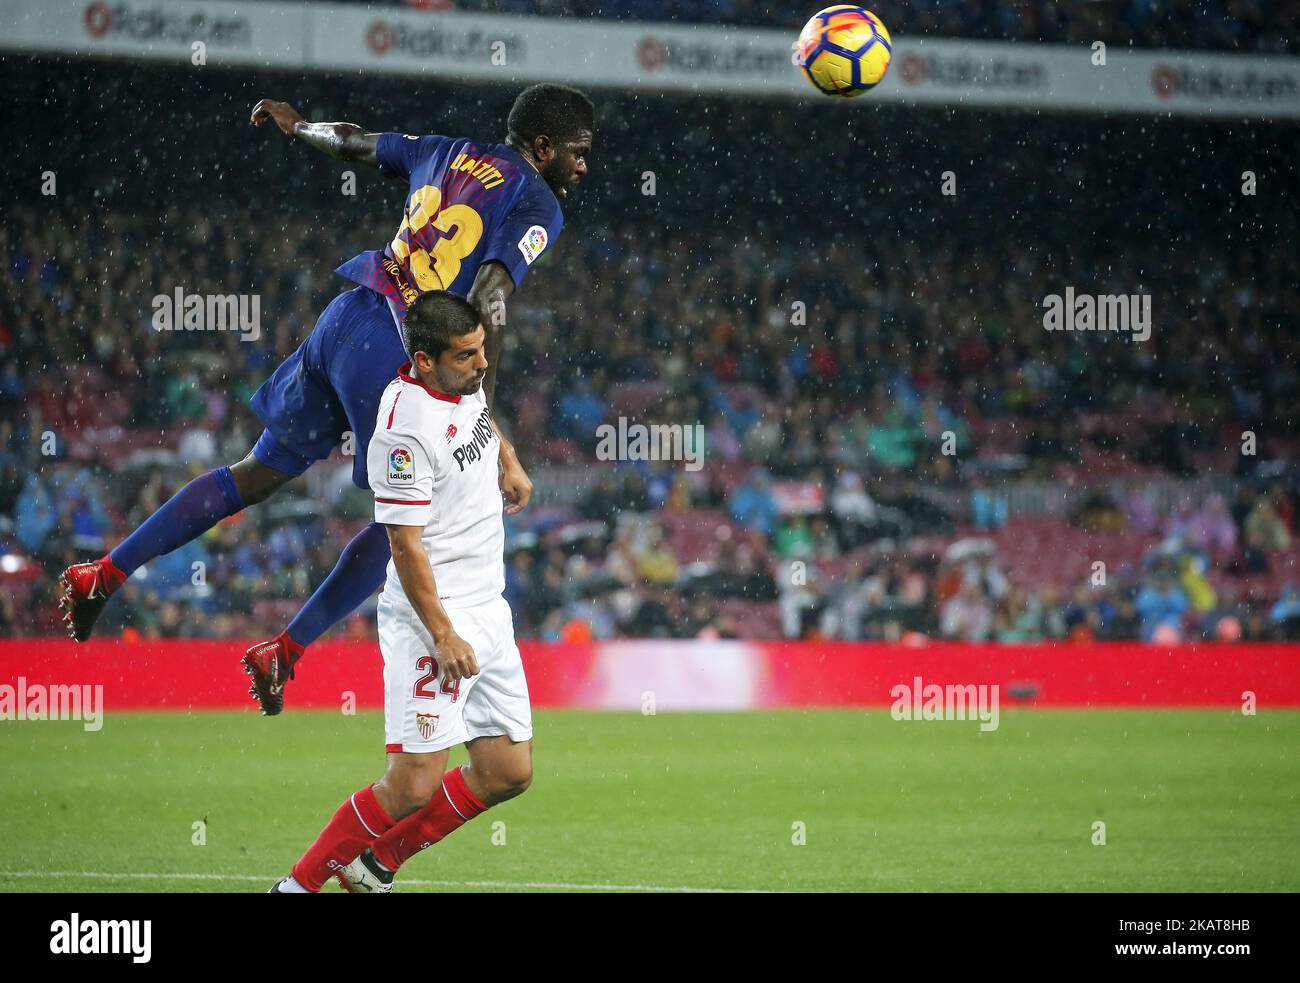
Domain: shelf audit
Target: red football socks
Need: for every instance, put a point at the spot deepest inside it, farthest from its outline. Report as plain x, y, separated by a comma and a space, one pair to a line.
356, 824
451, 807
115, 578
295, 650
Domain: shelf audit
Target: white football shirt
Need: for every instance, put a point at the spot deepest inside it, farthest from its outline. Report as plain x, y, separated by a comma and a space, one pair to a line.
433, 462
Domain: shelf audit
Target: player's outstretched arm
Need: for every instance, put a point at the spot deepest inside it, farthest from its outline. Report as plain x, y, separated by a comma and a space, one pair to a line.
492, 288
342, 141
454, 654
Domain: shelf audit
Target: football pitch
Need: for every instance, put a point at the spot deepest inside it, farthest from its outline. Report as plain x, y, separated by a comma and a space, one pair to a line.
772, 801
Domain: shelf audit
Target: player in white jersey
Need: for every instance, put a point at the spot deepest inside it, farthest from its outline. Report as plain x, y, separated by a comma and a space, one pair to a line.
452, 672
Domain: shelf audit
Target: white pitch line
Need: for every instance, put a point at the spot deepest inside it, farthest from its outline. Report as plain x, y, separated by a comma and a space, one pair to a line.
540, 885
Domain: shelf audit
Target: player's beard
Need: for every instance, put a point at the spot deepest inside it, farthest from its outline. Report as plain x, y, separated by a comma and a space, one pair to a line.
559, 187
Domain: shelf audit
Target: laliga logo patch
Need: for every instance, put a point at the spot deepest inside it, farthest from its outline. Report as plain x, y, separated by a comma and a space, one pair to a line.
401, 465
451, 432
426, 724
532, 244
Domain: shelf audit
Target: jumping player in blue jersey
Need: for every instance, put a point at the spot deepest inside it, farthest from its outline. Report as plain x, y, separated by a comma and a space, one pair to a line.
477, 216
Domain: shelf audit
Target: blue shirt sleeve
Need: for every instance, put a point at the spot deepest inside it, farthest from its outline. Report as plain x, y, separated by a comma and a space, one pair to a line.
399, 153
528, 231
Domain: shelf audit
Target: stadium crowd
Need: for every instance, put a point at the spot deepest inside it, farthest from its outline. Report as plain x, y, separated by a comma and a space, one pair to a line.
821, 442
893, 444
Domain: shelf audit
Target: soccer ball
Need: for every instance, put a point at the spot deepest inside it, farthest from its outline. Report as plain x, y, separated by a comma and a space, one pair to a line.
843, 50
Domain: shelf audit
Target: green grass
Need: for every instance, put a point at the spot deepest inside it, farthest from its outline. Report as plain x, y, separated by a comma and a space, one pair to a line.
1192, 801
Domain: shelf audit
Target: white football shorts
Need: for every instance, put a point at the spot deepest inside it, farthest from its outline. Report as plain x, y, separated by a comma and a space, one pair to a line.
423, 712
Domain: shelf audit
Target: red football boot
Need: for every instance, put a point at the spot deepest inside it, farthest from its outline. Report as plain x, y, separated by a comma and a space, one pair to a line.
271, 666
83, 592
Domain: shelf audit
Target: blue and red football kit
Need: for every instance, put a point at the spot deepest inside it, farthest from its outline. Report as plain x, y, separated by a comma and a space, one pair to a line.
467, 204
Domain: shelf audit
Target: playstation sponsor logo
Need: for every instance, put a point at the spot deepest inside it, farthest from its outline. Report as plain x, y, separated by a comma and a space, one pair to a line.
472, 449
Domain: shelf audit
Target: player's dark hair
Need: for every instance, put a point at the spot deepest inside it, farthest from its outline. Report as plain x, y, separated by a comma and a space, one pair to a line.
434, 319
555, 111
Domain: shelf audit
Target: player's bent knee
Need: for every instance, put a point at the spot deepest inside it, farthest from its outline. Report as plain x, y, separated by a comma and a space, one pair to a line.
514, 781
257, 482
524, 782
408, 786
414, 800
523, 771
405, 797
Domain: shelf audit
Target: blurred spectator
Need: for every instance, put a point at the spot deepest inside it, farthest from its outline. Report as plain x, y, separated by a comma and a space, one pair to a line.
1161, 604
1211, 527
753, 504
988, 507
967, 616
1265, 533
